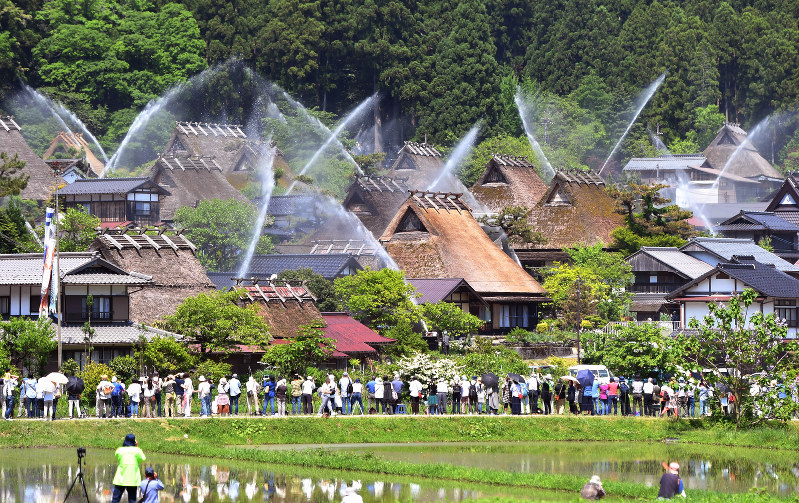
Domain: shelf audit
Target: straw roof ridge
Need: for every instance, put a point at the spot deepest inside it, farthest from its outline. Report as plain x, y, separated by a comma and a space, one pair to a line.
207, 129
41, 179
418, 163
375, 199
518, 183
382, 183
77, 141
425, 149
439, 200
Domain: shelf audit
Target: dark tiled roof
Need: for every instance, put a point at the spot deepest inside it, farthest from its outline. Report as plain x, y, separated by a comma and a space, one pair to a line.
290, 205
77, 268
763, 278
108, 186
111, 333
726, 248
328, 266
757, 221
435, 289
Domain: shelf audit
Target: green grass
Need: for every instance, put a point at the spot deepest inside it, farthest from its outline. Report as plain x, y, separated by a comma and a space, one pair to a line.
214, 438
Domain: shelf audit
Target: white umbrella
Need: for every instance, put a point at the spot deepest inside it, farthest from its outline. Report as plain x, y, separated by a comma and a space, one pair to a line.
57, 377
45, 386
568, 378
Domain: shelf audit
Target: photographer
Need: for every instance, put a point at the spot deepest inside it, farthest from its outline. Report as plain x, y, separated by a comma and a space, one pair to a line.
128, 474
151, 486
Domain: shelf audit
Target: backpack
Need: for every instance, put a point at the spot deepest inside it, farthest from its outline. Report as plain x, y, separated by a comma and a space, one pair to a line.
349, 388
456, 388
473, 392
117, 390
107, 390
665, 395
523, 387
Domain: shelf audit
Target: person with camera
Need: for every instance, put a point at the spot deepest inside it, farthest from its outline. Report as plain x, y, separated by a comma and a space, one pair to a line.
9, 385
128, 475
151, 486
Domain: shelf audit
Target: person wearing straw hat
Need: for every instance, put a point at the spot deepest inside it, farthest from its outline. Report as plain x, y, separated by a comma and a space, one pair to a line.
593, 489
9, 385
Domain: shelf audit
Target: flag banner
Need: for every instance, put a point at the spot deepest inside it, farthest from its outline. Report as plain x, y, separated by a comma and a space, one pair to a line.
49, 254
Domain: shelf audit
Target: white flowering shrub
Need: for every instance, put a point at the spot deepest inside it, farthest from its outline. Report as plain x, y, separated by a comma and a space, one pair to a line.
427, 369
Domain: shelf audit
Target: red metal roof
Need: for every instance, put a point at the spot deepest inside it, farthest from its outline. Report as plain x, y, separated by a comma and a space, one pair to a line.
351, 335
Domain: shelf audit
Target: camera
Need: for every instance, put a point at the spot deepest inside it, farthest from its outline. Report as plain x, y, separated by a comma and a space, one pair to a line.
81, 452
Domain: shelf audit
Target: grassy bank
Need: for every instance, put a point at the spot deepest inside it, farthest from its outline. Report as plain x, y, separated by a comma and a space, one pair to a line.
214, 438
312, 430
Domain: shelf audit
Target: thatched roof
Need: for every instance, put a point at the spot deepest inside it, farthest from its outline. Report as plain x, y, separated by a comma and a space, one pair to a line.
167, 256
576, 209
433, 235
375, 200
747, 163
41, 181
77, 142
235, 153
283, 306
190, 180
508, 181
418, 163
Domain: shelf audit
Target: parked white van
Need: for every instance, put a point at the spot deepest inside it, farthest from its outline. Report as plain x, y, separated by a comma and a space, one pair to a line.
601, 372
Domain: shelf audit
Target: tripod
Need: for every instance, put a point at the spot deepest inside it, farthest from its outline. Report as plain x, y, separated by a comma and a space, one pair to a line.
79, 475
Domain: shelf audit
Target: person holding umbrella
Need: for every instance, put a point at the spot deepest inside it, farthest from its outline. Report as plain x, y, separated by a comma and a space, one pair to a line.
74, 388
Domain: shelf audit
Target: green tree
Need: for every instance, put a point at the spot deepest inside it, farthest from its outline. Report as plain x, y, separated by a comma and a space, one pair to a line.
576, 292
379, 299
448, 317
221, 229
216, 323
165, 355
707, 123
77, 230
513, 221
310, 347
649, 219
745, 342
213, 370
29, 342
636, 350
321, 288
612, 270
126, 368
406, 340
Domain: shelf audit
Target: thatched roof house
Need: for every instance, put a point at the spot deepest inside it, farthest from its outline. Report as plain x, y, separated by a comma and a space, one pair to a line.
62, 144
418, 163
190, 180
576, 209
508, 181
434, 235
41, 181
375, 200
284, 306
236, 154
748, 163
165, 255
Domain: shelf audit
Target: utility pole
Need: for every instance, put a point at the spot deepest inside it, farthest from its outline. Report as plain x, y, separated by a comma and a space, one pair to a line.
57, 175
579, 317
546, 122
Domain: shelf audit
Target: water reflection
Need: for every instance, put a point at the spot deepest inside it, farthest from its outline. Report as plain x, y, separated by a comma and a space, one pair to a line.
718, 469
44, 475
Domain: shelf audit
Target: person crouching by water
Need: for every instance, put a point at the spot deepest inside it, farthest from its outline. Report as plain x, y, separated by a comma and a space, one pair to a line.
150, 486
593, 489
128, 474
670, 483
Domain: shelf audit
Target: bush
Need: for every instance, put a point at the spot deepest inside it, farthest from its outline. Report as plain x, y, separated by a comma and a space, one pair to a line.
126, 368
165, 354
91, 378
70, 367
542, 327
407, 342
212, 370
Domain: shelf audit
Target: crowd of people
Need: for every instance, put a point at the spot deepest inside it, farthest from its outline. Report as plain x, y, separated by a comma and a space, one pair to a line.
176, 395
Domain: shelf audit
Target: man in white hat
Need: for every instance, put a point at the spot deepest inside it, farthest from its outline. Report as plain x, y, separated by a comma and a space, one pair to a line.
308, 387
670, 482
593, 489
234, 390
204, 391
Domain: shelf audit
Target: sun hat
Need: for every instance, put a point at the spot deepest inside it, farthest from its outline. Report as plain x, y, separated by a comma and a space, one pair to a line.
114, 379
674, 466
202, 378
104, 376
596, 480
235, 376
130, 440
345, 373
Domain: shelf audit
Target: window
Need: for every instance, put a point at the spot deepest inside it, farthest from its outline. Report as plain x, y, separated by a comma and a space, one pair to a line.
786, 310
101, 309
35, 304
653, 278
5, 306
513, 315
142, 208
411, 223
495, 176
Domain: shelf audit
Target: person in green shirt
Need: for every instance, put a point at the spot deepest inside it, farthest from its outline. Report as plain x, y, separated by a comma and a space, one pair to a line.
128, 475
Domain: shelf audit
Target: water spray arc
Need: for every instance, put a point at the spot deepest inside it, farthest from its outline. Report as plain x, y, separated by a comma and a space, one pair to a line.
266, 172
645, 97
762, 125
332, 137
459, 153
45, 102
524, 111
